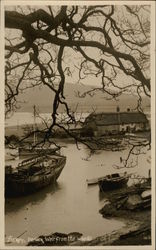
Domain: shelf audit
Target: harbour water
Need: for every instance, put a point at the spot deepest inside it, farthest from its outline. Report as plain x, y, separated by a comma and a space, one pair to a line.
70, 205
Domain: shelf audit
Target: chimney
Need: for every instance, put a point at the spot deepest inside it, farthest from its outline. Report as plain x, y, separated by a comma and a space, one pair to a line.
117, 109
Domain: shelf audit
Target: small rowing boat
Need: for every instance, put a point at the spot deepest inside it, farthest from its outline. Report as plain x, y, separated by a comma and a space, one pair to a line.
113, 181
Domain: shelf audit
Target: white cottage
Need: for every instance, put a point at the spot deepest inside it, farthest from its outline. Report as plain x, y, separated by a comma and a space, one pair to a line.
116, 122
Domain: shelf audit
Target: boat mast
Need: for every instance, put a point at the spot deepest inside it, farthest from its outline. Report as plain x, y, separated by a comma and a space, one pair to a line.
34, 125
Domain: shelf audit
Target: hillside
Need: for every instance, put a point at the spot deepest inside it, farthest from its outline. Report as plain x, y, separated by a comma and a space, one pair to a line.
43, 98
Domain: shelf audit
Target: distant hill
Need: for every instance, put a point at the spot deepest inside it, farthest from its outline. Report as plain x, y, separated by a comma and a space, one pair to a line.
43, 98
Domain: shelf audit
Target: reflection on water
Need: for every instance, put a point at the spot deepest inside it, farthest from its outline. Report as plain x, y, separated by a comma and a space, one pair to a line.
70, 205
13, 204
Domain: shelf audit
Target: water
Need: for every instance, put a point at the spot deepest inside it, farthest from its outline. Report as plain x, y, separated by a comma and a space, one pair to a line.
70, 205
27, 118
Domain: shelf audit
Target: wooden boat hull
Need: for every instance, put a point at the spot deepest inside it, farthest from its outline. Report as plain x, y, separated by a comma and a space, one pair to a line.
36, 151
105, 185
19, 187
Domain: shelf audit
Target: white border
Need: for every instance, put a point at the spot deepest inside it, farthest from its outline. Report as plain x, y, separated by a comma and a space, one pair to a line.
36, 2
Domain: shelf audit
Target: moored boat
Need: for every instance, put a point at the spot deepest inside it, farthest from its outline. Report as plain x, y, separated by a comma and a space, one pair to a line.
93, 181
33, 174
113, 181
30, 151
35, 148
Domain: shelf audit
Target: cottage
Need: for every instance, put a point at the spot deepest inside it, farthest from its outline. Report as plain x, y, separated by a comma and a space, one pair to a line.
116, 122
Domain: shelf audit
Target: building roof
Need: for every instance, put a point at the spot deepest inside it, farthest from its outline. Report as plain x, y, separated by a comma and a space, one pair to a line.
117, 118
